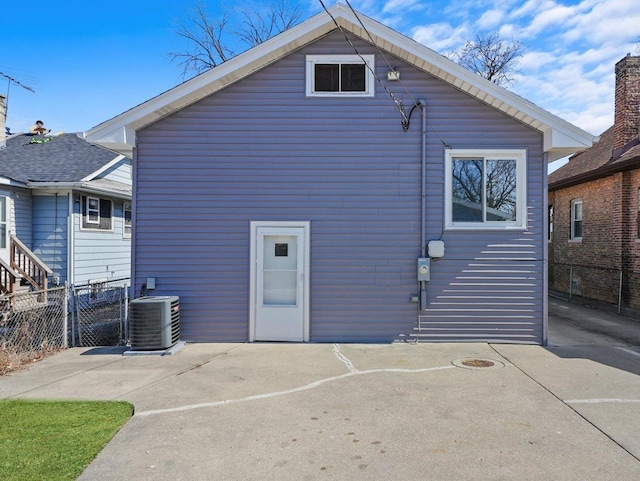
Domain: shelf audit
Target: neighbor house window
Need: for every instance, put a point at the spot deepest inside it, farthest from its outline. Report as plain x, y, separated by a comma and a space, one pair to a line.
550, 220
340, 75
576, 219
485, 189
93, 210
97, 213
638, 217
126, 219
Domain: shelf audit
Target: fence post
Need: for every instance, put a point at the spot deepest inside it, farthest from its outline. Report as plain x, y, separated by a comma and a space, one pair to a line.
65, 324
620, 294
73, 315
570, 282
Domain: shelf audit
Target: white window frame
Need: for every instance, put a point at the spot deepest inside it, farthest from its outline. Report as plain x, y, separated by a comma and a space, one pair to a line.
89, 210
369, 61
520, 156
575, 202
125, 234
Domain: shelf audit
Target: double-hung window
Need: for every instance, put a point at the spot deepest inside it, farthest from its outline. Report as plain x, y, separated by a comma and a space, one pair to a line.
126, 220
340, 76
576, 219
97, 213
485, 189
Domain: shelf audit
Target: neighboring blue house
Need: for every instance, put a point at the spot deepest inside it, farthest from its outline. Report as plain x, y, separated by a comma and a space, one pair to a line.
65, 211
284, 196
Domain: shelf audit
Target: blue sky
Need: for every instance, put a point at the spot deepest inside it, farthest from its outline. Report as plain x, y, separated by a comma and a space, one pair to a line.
89, 61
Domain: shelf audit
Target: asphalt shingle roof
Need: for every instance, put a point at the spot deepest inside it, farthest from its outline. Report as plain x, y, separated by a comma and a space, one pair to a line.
64, 158
594, 162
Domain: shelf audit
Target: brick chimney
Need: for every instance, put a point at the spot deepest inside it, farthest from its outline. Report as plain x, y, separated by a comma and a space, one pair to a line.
3, 121
626, 127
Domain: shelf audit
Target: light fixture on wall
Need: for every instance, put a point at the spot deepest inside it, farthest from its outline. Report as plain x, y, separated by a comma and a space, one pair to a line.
393, 75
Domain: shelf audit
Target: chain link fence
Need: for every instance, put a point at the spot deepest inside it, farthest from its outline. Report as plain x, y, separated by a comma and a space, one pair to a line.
619, 287
99, 313
32, 325
36, 323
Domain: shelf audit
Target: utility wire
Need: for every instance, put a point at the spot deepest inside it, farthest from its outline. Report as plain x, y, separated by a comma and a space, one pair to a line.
380, 51
415, 103
396, 100
405, 118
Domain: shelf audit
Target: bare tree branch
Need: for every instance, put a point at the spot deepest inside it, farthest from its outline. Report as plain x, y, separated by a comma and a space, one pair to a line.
491, 57
210, 41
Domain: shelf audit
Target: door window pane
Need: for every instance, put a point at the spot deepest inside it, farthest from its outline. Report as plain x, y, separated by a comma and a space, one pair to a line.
279, 288
280, 270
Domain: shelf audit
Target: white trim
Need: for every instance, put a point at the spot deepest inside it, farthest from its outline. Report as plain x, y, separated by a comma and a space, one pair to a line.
102, 169
520, 156
560, 138
369, 68
572, 236
88, 210
82, 215
253, 274
124, 222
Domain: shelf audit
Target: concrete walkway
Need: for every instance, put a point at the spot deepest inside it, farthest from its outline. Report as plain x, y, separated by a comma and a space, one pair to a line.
365, 412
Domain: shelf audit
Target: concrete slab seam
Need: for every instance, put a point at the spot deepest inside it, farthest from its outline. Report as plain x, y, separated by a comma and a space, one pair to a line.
306, 387
566, 403
599, 401
64, 378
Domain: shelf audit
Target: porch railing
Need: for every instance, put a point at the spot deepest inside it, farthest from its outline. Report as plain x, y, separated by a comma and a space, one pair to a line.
27, 264
8, 277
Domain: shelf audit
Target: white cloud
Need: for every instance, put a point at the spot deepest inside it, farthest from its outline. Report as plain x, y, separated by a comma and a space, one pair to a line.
441, 37
490, 19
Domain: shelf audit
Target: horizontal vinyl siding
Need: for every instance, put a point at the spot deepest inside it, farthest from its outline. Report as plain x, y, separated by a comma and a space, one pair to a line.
260, 150
22, 209
101, 254
121, 172
50, 232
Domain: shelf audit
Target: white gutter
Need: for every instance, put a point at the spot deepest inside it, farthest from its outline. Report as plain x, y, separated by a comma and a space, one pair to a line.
84, 186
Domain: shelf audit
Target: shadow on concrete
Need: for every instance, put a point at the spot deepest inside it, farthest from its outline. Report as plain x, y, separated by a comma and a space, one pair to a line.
105, 350
583, 332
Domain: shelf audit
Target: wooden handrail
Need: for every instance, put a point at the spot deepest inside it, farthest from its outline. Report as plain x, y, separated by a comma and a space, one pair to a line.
7, 278
32, 269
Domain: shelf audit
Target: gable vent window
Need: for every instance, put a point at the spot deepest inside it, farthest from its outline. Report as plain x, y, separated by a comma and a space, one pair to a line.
340, 76
96, 213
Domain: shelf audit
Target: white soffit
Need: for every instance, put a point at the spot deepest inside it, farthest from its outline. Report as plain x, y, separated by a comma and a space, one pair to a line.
560, 137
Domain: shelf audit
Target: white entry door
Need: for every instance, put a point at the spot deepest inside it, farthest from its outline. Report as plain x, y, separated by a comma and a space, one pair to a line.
280, 290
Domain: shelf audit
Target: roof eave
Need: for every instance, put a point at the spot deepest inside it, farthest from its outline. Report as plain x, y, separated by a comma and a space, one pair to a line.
560, 138
83, 186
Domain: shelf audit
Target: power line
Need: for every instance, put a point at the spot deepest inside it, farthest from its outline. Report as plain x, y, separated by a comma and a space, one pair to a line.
396, 100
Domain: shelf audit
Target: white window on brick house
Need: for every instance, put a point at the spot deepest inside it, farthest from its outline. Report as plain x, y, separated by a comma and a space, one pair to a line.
340, 76
576, 219
550, 220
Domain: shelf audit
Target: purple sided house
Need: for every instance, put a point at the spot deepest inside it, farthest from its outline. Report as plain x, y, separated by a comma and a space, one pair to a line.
321, 189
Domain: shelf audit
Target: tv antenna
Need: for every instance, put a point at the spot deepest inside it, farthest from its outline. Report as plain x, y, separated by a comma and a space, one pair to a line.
11, 80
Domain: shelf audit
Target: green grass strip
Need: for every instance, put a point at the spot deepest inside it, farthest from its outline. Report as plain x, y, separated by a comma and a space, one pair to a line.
55, 440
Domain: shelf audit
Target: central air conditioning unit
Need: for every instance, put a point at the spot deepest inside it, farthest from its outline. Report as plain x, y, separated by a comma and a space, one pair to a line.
154, 322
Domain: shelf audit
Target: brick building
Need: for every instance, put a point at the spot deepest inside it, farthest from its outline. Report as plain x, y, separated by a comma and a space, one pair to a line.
594, 207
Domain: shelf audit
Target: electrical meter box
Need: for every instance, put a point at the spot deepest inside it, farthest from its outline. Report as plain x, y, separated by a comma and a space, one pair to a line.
424, 269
